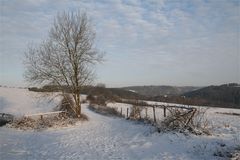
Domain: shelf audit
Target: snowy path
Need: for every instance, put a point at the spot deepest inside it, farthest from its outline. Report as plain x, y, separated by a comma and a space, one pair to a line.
103, 138
100, 138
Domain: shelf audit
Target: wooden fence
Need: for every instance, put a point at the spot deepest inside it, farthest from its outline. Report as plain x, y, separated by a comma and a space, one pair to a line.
45, 114
153, 112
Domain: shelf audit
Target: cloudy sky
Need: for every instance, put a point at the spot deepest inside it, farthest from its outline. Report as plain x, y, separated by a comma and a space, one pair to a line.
154, 42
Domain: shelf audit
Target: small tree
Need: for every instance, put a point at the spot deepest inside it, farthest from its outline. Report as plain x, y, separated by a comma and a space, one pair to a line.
66, 58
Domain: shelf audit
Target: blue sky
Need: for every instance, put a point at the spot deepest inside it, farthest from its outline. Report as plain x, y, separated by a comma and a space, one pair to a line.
154, 42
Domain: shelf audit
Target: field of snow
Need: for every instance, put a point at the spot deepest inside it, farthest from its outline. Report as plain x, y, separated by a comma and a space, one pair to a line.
212, 114
21, 101
105, 137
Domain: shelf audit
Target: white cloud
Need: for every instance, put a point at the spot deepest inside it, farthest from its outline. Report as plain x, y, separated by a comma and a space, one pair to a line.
181, 38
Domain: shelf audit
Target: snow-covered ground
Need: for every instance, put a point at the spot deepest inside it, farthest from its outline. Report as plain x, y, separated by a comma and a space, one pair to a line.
215, 119
105, 137
21, 101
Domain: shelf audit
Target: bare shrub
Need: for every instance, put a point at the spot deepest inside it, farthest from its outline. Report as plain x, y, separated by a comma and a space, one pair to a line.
182, 119
104, 110
30, 123
23, 123
200, 121
67, 105
135, 112
98, 100
114, 98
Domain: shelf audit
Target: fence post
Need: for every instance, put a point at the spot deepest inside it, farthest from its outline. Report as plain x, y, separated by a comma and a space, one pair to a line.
127, 112
134, 114
140, 114
146, 112
164, 111
154, 115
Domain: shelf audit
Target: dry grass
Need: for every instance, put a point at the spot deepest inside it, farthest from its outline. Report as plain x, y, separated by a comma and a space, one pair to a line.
192, 120
135, 113
36, 123
67, 105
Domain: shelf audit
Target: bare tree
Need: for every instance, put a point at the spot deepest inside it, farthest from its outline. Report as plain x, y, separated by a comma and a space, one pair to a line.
66, 58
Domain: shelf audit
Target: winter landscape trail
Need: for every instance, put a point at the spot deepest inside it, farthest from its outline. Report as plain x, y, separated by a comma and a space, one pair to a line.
100, 138
107, 138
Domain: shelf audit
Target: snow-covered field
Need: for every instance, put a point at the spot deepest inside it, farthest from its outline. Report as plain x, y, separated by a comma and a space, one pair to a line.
21, 101
108, 137
212, 114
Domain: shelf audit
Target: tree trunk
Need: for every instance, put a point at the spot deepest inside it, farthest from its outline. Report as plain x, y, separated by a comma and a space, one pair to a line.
78, 105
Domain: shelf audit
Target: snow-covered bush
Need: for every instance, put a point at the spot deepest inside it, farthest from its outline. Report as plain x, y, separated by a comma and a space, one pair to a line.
135, 112
181, 119
30, 123
67, 105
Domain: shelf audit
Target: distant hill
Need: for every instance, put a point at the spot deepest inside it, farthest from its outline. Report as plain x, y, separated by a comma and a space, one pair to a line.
227, 95
152, 91
223, 95
110, 93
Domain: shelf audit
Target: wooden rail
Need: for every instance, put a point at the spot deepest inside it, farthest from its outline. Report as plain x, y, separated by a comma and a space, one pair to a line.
167, 106
42, 114
155, 106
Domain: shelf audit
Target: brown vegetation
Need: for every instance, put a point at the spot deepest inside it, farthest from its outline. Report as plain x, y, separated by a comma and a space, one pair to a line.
180, 119
135, 113
104, 110
30, 123
97, 100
